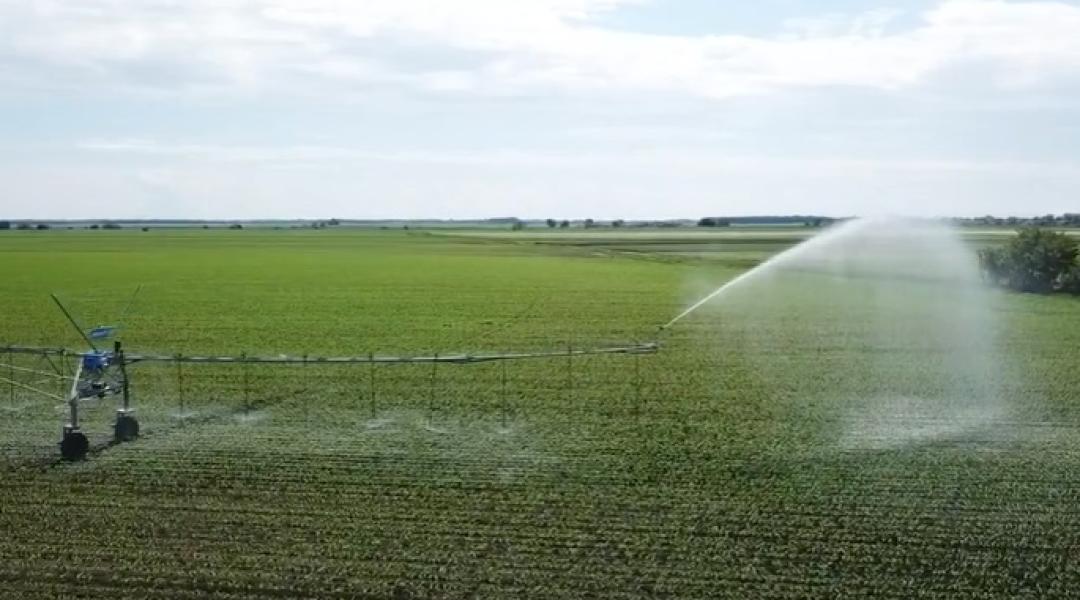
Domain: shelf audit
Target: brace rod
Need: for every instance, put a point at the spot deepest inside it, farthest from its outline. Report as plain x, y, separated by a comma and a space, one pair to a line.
31, 388
73, 322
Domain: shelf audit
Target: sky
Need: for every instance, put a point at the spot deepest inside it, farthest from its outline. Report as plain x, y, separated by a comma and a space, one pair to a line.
634, 109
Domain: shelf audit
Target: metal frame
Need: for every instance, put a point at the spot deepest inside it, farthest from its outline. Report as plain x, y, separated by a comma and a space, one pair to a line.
113, 377
643, 348
101, 373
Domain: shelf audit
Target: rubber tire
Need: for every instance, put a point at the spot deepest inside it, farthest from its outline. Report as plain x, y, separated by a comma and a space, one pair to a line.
126, 429
74, 446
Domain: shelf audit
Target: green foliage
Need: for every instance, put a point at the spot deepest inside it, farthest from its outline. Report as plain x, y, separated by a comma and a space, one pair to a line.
5, 225
1070, 281
1036, 260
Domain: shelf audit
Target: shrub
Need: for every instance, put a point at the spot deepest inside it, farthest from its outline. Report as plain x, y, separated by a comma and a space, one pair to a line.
1036, 260
1070, 281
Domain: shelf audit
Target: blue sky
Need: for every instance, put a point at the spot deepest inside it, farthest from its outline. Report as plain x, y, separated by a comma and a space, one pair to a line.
537, 108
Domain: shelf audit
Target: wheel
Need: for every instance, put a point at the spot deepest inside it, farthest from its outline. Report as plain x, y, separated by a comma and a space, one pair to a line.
74, 446
127, 428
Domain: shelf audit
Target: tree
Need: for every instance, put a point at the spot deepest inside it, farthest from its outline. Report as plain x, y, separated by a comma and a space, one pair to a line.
618, 223
236, 226
714, 222
589, 223
551, 223
564, 224
1036, 260
517, 225
4, 225
42, 226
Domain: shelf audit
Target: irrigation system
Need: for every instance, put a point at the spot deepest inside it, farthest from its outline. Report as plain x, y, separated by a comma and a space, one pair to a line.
102, 372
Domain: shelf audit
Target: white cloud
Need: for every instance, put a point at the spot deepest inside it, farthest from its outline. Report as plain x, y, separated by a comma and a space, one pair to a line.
640, 186
513, 46
617, 159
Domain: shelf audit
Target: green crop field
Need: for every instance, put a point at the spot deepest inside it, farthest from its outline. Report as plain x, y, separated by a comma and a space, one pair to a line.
752, 456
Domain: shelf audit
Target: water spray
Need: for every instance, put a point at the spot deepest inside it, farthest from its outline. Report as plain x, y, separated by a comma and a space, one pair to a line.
894, 320
769, 264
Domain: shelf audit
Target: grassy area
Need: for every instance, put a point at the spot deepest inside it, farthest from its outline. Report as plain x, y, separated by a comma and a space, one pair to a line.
722, 466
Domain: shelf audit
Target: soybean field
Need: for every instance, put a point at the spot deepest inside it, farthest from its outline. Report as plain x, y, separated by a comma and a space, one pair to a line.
752, 456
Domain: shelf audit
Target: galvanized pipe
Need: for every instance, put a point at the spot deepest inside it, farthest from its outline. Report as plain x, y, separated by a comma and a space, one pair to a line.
648, 348
73, 399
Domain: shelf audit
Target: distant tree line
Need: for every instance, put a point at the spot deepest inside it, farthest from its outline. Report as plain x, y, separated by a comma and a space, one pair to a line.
714, 222
519, 224
1064, 220
804, 220
24, 226
28, 225
1037, 261
552, 223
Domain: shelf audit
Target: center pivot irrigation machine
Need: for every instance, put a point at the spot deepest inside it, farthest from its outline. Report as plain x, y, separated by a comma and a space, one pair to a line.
101, 372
